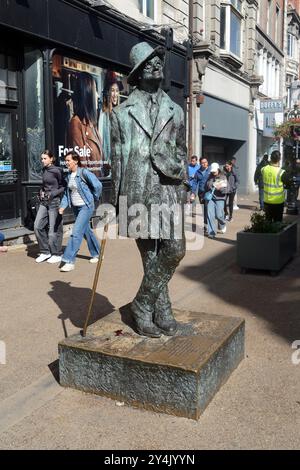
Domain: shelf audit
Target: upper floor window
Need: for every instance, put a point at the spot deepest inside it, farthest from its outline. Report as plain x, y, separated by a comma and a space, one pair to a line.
147, 7
292, 49
230, 27
8, 77
268, 16
277, 17
237, 4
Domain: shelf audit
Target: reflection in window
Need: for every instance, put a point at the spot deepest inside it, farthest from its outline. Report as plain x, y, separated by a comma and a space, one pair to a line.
5, 142
34, 109
223, 28
235, 33
230, 28
8, 78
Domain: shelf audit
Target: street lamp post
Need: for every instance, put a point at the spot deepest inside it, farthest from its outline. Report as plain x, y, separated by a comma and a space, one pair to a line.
291, 148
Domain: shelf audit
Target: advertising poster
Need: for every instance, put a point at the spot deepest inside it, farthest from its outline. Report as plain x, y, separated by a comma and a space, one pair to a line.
84, 96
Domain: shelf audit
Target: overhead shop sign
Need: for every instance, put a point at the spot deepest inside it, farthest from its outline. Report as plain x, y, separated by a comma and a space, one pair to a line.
271, 106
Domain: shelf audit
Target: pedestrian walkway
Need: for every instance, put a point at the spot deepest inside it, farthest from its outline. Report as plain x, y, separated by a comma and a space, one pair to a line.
259, 406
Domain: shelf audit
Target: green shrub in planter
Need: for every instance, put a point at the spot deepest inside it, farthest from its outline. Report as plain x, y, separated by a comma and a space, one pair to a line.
266, 245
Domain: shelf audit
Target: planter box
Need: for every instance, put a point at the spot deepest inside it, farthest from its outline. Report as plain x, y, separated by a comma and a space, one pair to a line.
269, 251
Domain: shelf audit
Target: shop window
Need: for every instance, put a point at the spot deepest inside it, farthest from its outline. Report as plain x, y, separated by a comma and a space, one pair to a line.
5, 142
34, 111
146, 7
8, 78
84, 95
230, 27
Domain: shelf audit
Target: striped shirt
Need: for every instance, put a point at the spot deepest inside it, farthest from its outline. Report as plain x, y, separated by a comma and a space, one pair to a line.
75, 195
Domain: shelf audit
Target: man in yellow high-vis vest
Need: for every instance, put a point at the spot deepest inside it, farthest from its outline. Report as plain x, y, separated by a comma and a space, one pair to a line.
274, 179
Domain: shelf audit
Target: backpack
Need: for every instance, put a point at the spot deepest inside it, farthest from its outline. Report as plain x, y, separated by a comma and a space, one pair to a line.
91, 188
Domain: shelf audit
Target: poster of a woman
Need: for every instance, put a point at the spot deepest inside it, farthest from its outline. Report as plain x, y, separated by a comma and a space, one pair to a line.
83, 135
84, 95
111, 98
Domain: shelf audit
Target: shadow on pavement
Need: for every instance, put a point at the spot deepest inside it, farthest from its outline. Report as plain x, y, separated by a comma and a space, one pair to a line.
54, 369
126, 316
274, 299
32, 250
73, 303
249, 207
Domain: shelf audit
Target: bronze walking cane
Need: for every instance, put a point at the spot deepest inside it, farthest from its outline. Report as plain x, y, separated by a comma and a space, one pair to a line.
103, 242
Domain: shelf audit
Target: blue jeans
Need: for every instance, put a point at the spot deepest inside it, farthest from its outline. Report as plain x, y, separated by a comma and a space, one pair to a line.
81, 229
215, 210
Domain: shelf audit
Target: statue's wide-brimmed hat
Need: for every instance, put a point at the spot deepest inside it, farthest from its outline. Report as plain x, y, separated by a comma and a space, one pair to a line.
139, 55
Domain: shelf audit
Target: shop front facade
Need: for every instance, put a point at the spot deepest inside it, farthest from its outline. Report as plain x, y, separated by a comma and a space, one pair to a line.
60, 61
224, 123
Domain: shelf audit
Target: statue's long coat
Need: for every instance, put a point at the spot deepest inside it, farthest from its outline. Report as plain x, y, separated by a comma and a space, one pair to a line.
149, 164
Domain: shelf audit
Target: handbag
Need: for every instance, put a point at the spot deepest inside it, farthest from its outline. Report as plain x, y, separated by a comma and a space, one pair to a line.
33, 205
209, 195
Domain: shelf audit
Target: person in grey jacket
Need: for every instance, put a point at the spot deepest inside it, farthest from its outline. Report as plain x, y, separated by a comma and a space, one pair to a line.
48, 225
216, 183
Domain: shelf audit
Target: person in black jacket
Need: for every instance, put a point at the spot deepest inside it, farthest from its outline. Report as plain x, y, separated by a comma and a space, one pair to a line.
231, 189
258, 179
48, 225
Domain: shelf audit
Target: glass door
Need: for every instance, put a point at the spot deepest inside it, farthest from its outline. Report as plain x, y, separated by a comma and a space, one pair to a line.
9, 180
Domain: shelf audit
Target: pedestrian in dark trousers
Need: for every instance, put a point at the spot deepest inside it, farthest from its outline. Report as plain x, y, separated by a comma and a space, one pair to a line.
231, 190
258, 179
236, 171
48, 225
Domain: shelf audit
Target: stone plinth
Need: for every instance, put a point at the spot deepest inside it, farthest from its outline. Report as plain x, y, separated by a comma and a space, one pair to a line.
177, 375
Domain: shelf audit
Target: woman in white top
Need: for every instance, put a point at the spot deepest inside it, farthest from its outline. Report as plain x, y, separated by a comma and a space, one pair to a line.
83, 189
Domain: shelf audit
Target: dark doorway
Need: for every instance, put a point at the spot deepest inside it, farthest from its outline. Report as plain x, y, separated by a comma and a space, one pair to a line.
220, 150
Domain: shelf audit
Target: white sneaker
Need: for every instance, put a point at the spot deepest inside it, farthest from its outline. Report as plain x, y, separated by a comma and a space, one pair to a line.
67, 267
94, 260
222, 230
235, 208
42, 257
54, 259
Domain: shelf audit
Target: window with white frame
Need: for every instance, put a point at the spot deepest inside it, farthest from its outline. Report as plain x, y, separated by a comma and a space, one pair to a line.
147, 8
230, 27
277, 23
292, 46
289, 79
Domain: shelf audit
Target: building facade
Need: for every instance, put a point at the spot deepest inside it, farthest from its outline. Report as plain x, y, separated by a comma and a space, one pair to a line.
233, 65
47, 48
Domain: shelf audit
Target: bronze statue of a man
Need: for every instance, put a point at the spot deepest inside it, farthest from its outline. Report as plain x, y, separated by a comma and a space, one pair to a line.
149, 167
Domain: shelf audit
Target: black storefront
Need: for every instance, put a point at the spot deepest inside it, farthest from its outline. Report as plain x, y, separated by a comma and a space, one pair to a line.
45, 45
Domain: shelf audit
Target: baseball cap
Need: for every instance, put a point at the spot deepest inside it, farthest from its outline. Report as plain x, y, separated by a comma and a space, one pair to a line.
214, 167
